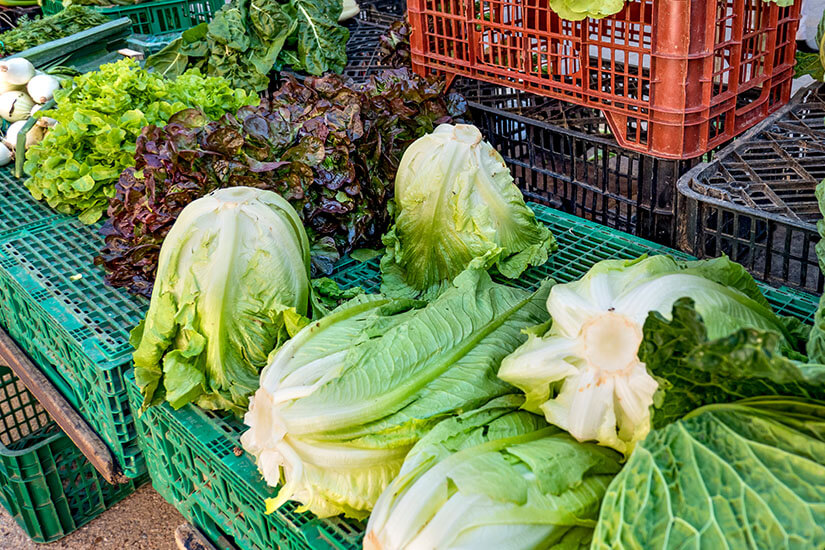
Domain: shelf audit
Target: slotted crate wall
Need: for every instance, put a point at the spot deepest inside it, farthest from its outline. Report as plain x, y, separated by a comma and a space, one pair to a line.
756, 201
46, 484
156, 16
56, 305
196, 460
674, 79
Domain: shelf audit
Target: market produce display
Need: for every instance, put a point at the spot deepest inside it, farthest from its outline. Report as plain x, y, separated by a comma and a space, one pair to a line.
457, 206
99, 117
494, 478
651, 404
328, 146
248, 38
596, 370
341, 403
32, 32
233, 284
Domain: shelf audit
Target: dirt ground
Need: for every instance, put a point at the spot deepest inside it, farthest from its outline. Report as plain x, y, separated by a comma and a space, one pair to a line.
144, 521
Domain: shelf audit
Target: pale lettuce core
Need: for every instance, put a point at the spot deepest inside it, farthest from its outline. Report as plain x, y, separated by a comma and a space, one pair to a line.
584, 373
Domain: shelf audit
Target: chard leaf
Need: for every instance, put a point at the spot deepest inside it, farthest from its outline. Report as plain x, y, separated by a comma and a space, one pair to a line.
693, 370
748, 474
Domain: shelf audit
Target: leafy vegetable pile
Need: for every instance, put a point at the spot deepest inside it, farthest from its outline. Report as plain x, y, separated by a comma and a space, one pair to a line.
247, 38
33, 32
362, 385
98, 121
598, 369
233, 280
328, 146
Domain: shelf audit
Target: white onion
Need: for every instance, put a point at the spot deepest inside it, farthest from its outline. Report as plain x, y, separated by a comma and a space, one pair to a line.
5, 155
16, 71
10, 140
15, 106
41, 88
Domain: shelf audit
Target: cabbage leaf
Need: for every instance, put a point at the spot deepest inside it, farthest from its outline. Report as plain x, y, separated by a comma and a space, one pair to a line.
749, 474
341, 404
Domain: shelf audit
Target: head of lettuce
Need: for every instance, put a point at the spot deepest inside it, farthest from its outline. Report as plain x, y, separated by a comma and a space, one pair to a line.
233, 278
457, 207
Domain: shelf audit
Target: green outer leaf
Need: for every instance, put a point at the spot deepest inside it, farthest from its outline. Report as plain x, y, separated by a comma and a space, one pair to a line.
694, 371
745, 475
816, 343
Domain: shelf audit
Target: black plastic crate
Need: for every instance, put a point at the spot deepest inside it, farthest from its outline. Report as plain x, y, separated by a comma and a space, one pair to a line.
565, 156
756, 201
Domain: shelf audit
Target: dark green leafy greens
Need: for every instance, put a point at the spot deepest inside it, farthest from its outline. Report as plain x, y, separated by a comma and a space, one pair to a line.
32, 32
749, 474
247, 38
327, 145
813, 63
693, 370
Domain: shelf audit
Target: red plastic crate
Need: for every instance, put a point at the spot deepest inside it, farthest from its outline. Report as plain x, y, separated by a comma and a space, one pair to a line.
675, 78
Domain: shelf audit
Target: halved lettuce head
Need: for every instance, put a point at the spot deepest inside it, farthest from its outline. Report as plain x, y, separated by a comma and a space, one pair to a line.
493, 479
587, 373
342, 403
232, 283
457, 207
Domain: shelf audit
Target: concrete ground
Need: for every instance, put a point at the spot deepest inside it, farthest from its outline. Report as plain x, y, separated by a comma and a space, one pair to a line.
143, 521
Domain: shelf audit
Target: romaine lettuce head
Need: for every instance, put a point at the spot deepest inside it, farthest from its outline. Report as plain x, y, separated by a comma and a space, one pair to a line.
341, 404
457, 206
495, 478
749, 474
233, 277
585, 374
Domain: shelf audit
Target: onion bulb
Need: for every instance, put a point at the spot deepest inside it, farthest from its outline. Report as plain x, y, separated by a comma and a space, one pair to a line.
5, 155
35, 134
16, 71
41, 88
10, 140
15, 106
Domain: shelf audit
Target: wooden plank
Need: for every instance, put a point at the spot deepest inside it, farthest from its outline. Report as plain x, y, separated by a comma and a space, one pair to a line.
60, 410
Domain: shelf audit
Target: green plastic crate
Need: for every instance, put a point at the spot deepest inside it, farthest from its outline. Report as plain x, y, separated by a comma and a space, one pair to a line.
54, 302
46, 483
18, 209
156, 17
196, 461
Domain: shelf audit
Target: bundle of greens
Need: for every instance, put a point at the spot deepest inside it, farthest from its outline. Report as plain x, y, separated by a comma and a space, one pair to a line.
328, 146
342, 403
33, 32
248, 38
99, 118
